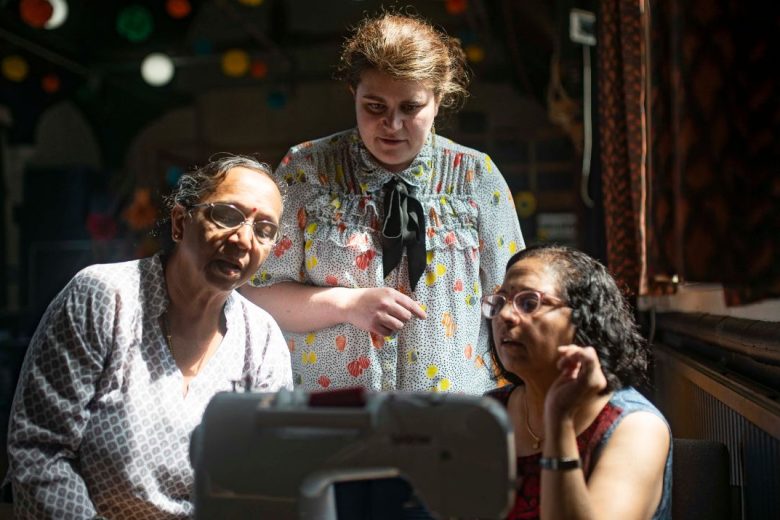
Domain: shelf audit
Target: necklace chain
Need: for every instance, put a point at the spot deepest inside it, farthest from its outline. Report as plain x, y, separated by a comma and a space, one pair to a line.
537, 440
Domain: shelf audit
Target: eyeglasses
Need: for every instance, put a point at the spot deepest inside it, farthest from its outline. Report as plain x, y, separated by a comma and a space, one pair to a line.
523, 302
227, 216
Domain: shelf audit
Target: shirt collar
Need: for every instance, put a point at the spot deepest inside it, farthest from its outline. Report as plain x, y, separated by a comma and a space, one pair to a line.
374, 176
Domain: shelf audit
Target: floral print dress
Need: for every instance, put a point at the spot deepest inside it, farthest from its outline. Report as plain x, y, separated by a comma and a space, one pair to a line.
332, 237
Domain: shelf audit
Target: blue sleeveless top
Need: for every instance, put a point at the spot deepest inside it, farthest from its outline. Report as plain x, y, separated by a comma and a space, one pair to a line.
590, 443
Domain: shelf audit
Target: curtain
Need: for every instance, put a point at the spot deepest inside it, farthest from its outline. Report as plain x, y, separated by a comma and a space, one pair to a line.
696, 82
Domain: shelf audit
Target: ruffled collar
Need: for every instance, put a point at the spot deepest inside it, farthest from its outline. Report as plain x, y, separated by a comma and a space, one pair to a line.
373, 176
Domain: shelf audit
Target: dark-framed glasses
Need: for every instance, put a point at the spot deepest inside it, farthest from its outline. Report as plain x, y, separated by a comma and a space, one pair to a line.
523, 302
227, 216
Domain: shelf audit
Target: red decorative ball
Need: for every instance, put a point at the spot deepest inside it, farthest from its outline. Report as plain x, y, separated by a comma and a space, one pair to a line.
50, 83
456, 6
35, 13
178, 8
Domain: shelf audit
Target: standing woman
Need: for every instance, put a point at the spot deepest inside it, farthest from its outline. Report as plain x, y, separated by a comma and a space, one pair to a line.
589, 445
393, 232
127, 356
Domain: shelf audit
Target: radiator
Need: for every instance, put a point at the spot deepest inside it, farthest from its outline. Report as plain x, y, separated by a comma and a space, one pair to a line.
705, 402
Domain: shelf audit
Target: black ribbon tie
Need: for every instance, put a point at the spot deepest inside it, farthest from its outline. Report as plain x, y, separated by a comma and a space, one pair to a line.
404, 226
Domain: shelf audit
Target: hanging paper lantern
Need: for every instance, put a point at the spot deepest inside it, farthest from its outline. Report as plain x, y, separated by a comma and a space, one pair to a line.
475, 53
259, 69
157, 69
141, 213
178, 8
35, 13
59, 14
276, 100
525, 204
251, 3
15, 68
135, 23
50, 83
456, 6
235, 63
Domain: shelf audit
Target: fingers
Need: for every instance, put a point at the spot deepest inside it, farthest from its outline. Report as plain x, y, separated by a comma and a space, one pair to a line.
413, 307
577, 362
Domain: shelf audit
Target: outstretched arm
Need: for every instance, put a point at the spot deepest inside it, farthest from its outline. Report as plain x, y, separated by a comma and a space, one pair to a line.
303, 308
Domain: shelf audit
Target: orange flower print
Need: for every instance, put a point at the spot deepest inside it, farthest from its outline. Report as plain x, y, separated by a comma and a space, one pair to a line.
286, 160
377, 340
468, 351
449, 324
301, 218
469, 175
431, 232
358, 366
450, 239
458, 287
438, 187
283, 245
341, 343
363, 260
331, 280
291, 345
324, 381
433, 217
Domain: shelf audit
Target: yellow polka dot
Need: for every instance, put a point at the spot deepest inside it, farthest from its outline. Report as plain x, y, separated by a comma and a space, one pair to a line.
307, 245
430, 278
311, 228
311, 263
310, 337
431, 371
513, 247
429, 257
443, 385
441, 269
336, 203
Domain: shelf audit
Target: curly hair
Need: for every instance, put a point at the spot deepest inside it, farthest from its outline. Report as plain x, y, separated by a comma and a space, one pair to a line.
406, 47
600, 314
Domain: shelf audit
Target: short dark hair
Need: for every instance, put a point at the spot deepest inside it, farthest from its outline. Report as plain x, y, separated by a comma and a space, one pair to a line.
198, 184
600, 314
194, 186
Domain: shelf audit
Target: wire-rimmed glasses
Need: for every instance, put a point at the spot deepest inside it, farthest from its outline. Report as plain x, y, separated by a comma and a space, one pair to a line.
523, 302
227, 216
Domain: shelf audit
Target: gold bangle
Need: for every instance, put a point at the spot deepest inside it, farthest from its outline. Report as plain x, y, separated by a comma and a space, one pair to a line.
560, 463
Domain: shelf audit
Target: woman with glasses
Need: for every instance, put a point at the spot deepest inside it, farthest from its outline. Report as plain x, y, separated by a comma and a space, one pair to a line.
128, 355
588, 444
392, 232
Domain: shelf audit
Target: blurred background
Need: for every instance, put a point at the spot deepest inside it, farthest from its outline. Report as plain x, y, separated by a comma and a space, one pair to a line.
646, 133
104, 104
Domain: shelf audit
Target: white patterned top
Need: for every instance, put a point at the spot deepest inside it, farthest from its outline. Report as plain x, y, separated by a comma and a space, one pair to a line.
99, 425
331, 237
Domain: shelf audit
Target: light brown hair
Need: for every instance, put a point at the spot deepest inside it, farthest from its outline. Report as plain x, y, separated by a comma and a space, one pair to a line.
407, 48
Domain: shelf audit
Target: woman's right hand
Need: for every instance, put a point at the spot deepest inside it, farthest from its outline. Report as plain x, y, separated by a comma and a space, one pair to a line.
381, 310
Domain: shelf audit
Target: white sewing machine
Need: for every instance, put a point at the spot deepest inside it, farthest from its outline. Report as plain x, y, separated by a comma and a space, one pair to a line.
259, 455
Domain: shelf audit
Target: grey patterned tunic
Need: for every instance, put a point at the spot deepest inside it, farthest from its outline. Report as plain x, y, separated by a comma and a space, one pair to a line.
331, 237
99, 424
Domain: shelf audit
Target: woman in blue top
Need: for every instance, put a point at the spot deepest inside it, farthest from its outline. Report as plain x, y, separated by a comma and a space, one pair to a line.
392, 233
589, 445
